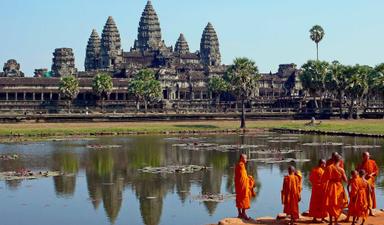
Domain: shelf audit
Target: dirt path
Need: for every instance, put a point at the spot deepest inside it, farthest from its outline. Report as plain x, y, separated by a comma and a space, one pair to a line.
378, 219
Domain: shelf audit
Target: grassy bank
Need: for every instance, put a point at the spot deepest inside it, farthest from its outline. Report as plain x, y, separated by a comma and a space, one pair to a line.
344, 126
70, 129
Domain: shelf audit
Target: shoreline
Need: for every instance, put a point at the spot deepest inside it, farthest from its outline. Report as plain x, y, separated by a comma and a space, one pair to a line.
378, 219
31, 131
330, 133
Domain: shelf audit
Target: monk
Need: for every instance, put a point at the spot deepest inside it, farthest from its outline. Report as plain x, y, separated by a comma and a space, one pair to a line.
333, 158
354, 175
372, 170
244, 185
291, 194
316, 205
335, 198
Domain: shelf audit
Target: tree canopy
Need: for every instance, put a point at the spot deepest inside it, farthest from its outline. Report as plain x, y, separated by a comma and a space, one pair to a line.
102, 84
145, 87
69, 87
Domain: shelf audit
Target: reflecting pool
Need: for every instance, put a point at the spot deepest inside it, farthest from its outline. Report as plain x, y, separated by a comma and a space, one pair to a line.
102, 183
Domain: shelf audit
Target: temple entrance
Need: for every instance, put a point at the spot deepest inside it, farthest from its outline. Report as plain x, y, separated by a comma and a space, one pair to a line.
165, 94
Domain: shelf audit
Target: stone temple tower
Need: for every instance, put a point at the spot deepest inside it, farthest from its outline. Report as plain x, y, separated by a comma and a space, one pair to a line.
149, 31
63, 62
110, 51
92, 56
181, 46
209, 47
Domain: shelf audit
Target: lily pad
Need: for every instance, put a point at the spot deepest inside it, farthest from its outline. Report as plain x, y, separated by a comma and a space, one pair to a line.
173, 169
275, 151
278, 160
214, 197
24, 175
362, 146
9, 157
103, 146
324, 144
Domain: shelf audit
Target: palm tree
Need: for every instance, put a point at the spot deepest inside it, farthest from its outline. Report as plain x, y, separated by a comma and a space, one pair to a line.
357, 85
242, 77
102, 86
312, 78
69, 89
336, 82
217, 85
378, 82
317, 34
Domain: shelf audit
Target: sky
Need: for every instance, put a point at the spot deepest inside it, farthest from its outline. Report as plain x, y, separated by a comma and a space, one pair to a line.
270, 32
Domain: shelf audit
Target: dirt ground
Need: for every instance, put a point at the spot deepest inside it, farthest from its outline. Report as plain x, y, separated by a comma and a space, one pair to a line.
378, 219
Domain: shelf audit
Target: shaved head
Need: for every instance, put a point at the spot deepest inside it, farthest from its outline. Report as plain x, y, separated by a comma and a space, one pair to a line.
322, 162
362, 173
243, 157
335, 155
291, 169
366, 156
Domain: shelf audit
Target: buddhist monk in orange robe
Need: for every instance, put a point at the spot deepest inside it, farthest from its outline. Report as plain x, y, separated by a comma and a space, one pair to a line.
335, 198
244, 185
333, 158
358, 189
372, 170
316, 205
291, 194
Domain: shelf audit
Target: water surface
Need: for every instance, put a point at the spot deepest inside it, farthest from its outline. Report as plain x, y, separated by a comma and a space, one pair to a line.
105, 187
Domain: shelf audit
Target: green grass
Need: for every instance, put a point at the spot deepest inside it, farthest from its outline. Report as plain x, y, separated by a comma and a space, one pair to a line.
357, 126
71, 129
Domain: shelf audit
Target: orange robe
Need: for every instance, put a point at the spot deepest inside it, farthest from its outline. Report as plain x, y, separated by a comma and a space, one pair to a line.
370, 166
291, 195
358, 205
316, 205
335, 198
244, 185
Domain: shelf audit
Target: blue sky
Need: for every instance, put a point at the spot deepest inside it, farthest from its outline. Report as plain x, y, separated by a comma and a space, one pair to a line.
270, 32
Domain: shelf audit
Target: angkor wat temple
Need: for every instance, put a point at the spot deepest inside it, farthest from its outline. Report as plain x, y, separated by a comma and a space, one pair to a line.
183, 74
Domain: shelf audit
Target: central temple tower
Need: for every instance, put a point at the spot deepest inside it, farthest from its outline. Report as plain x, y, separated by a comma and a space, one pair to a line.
149, 31
209, 47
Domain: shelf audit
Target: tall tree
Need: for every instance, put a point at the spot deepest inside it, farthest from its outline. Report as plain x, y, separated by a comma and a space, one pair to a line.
69, 89
145, 87
217, 85
357, 85
317, 34
312, 78
378, 81
102, 86
243, 76
336, 83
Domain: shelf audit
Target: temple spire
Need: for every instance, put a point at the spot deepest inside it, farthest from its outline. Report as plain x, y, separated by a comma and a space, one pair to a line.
92, 56
209, 47
149, 31
110, 44
181, 46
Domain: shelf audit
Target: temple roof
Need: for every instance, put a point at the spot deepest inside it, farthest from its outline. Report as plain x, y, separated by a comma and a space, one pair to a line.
209, 38
181, 45
94, 40
149, 31
92, 51
49, 82
110, 38
209, 47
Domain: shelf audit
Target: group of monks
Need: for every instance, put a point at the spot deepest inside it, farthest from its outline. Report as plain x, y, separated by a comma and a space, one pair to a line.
328, 198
